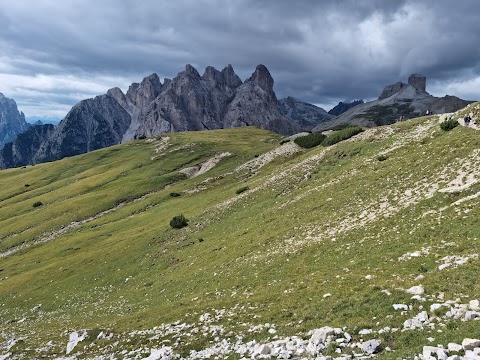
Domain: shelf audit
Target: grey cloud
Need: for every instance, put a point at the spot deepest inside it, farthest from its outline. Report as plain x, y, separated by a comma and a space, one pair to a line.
319, 51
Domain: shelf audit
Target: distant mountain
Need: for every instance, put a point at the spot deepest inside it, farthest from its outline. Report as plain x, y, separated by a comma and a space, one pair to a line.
12, 122
342, 107
188, 102
304, 114
399, 99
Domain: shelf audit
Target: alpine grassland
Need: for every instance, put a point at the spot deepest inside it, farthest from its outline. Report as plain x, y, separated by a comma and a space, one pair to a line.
324, 236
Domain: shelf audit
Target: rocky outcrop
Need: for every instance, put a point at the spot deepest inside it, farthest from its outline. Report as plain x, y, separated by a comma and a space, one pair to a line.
255, 103
12, 122
24, 148
304, 114
418, 81
215, 100
342, 107
396, 100
91, 124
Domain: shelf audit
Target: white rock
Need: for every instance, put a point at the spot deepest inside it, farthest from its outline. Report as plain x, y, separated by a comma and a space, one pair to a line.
429, 352
372, 347
400, 306
434, 307
74, 339
470, 344
416, 290
454, 347
164, 353
369, 277
365, 332
320, 335
474, 305
327, 295
470, 355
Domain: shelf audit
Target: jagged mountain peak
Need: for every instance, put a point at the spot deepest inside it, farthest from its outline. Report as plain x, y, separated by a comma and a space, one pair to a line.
262, 77
190, 70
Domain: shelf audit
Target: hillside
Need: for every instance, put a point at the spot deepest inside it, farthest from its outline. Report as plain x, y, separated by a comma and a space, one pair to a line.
282, 243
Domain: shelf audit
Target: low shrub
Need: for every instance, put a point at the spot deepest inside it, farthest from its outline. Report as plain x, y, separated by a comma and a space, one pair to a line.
179, 222
341, 135
241, 190
37, 204
310, 140
142, 137
284, 141
448, 125
175, 194
382, 157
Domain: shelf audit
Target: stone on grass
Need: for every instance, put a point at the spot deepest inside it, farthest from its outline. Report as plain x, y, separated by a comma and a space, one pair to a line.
474, 305
470, 344
372, 347
74, 339
454, 347
416, 290
320, 335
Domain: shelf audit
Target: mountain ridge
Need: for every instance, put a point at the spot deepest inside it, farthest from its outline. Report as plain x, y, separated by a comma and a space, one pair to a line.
188, 102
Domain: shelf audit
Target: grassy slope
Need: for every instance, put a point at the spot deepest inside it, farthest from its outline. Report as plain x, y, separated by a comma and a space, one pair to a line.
314, 223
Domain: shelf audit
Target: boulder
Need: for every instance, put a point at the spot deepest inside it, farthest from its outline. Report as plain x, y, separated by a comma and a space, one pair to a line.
372, 347
470, 344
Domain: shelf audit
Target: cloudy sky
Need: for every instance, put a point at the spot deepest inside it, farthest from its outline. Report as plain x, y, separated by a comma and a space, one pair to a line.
55, 53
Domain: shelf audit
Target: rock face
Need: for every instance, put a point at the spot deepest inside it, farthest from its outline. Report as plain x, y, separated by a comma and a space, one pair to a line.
12, 122
304, 114
189, 102
419, 82
399, 99
91, 124
24, 148
342, 107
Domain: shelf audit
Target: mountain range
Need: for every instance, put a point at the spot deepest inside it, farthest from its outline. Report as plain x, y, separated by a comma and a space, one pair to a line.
400, 99
193, 102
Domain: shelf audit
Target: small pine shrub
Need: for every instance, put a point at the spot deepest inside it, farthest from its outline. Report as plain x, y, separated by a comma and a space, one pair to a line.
341, 135
382, 157
284, 141
142, 137
241, 190
448, 125
310, 140
37, 204
175, 194
179, 222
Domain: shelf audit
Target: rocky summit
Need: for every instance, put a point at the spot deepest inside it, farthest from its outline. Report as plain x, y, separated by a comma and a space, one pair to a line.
304, 114
406, 100
188, 102
12, 122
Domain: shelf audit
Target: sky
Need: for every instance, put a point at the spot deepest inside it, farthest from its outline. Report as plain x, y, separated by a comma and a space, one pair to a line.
56, 53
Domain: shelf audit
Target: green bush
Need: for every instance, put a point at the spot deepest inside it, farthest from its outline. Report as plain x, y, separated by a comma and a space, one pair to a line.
310, 140
241, 190
141, 137
382, 157
284, 141
179, 222
175, 194
448, 125
37, 204
341, 135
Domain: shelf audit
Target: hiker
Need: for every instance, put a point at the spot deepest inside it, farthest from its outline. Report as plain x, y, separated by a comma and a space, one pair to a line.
427, 112
467, 119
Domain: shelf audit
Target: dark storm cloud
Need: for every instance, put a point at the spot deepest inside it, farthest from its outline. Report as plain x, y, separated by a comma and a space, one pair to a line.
53, 53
